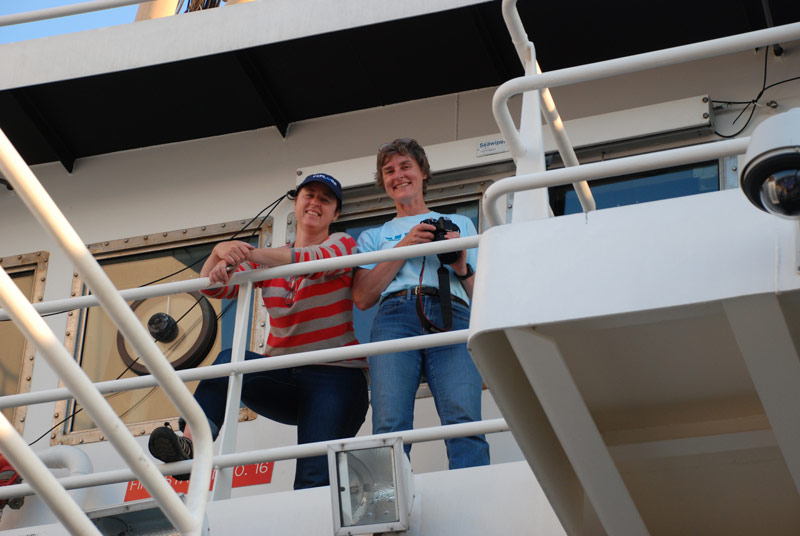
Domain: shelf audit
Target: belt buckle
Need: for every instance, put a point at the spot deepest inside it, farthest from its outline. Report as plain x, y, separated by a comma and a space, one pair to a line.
416, 290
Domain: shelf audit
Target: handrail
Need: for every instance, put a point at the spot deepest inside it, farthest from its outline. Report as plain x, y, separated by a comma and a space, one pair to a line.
42, 481
65, 11
419, 435
608, 168
516, 29
277, 362
287, 270
187, 518
630, 64
526, 52
227, 437
299, 359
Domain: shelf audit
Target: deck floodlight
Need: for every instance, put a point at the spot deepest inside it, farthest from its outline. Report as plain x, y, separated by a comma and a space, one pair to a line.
771, 172
371, 486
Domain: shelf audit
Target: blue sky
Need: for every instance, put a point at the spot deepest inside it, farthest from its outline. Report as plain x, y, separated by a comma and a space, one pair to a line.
75, 23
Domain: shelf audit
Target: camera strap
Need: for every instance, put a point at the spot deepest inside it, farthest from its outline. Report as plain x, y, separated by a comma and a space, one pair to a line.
445, 301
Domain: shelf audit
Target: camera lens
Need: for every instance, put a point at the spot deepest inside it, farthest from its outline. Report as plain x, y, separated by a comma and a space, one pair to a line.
780, 193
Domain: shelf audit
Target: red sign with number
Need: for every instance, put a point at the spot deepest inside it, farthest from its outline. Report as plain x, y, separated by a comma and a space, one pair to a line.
243, 475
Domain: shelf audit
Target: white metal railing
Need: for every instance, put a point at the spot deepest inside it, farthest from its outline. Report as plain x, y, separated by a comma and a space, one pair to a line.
66, 11
236, 369
635, 63
610, 168
188, 518
287, 270
418, 435
527, 55
605, 69
277, 362
227, 436
254, 365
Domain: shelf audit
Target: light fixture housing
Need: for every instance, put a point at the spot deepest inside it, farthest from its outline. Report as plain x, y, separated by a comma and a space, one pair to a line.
371, 486
771, 169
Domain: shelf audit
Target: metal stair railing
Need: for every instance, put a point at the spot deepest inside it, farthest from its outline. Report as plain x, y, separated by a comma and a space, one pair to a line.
585, 73
527, 56
254, 365
418, 435
188, 518
237, 367
287, 270
227, 459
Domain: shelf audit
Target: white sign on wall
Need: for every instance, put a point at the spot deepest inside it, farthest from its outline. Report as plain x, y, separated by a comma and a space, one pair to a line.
485, 148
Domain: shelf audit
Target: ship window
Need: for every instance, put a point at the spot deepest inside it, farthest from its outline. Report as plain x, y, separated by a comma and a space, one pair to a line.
640, 188
28, 272
193, 328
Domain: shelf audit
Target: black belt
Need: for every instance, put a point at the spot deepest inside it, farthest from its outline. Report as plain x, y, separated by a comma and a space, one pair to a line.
425, 291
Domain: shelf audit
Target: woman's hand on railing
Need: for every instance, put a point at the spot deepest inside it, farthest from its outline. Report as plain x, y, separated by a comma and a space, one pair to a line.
221, 273
233, 252
230, 253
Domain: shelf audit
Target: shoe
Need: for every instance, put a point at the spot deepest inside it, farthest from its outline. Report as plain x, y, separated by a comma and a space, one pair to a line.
168, 447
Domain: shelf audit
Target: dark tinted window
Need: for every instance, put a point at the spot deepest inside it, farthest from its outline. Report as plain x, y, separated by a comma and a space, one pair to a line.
641, 188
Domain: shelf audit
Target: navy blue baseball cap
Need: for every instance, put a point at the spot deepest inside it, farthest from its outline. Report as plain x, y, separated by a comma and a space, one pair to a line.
327, 180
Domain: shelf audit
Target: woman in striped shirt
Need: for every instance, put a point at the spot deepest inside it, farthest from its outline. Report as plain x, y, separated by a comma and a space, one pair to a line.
306, 312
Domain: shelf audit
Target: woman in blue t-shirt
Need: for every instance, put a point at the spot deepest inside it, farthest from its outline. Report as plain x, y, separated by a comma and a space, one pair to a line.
402, 169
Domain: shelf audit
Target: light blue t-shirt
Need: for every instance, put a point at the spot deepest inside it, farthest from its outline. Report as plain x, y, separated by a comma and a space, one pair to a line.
388, 235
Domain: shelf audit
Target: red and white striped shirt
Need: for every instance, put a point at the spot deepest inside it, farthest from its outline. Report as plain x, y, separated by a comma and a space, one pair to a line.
311, 311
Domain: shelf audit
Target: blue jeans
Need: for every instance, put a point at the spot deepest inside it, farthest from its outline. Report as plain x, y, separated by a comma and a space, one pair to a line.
453, 379
324, 402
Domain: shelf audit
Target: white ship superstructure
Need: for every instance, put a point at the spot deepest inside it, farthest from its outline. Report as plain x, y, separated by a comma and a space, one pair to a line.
634, 317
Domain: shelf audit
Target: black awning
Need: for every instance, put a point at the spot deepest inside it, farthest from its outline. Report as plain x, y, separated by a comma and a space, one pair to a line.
278, 84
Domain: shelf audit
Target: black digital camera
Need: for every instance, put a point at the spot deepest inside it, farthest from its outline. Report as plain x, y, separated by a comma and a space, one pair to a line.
443, 226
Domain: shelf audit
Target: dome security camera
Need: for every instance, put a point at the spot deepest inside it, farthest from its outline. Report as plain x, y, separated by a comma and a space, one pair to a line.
771, 173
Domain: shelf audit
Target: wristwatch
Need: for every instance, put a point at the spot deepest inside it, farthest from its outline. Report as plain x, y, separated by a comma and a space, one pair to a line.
469, 273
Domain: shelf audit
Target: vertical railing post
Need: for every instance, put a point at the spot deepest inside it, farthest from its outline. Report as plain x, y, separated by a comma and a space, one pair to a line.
527, 145
531, 204
227, 439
